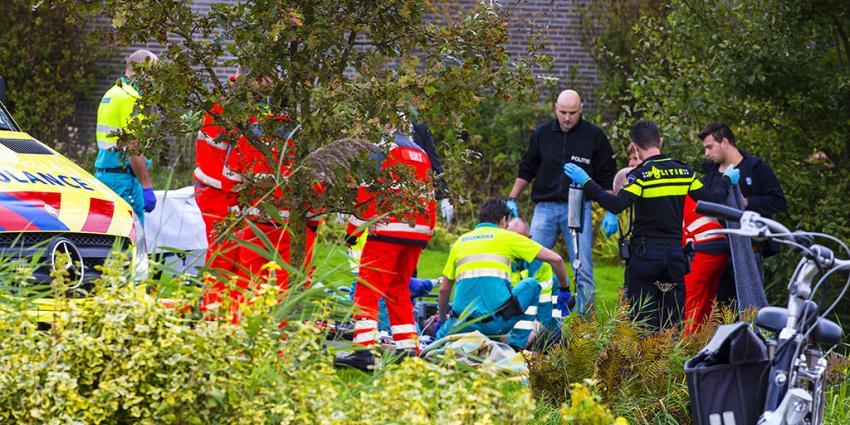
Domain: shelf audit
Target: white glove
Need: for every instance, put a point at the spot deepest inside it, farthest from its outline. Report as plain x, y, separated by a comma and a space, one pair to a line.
447, 210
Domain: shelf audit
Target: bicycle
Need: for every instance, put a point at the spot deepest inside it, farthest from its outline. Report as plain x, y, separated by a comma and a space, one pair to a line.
795, 372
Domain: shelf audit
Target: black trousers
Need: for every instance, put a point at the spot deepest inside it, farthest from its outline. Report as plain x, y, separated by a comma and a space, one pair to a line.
655, 283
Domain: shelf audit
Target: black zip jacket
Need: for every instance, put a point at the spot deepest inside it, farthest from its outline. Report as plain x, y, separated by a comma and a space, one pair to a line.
422, 137
550, 148
758, 184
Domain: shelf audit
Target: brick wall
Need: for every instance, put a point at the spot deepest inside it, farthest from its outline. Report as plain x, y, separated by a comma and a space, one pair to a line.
573, 65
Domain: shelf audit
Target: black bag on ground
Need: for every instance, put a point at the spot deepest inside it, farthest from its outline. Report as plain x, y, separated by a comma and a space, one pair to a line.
726, 379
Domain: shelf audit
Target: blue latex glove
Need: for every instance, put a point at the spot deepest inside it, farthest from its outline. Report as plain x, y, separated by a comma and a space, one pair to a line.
420, 287
566, 302
733, 173
511, 203
437, 325
576, 174
150, 199
610, 224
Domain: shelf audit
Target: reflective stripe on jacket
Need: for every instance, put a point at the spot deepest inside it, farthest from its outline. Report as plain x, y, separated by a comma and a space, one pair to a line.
412, 228
480, 263
211, 149
695, 228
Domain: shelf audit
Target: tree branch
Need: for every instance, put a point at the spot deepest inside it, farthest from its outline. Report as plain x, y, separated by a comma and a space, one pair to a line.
352, 37
842, 36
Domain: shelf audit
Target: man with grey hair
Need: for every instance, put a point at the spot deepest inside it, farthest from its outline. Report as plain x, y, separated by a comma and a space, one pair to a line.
127, 175
568, 138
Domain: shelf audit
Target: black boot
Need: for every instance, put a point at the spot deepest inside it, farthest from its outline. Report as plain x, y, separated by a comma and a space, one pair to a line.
359, 359
402, 353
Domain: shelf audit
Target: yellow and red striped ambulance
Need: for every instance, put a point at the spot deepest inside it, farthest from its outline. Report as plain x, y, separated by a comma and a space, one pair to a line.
51, 206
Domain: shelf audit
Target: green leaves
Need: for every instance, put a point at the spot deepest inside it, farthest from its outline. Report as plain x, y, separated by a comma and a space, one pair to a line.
48, 63
776, 72
340, 69
124, 358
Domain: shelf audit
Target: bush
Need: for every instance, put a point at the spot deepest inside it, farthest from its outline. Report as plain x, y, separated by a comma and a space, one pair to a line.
486, 165
120, 359
418, 392
585, 408
639, 374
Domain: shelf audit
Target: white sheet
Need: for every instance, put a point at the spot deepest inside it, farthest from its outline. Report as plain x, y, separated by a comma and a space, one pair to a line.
176, 222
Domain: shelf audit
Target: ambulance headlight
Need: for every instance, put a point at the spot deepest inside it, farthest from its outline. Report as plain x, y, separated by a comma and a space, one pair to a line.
140, 264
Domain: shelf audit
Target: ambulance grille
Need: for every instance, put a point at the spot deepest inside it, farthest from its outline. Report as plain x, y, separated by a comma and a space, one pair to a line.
42, 239
26, 146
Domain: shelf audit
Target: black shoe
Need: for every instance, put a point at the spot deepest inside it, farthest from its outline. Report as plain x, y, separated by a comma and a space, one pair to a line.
402, 353
359, 359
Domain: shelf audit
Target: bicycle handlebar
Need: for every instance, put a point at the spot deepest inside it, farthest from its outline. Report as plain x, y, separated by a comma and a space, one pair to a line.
720, 211
752, 223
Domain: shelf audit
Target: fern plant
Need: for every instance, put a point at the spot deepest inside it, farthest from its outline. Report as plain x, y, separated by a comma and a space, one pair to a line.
639, 374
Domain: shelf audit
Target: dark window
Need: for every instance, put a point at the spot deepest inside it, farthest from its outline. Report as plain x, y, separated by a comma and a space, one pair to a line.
6, 122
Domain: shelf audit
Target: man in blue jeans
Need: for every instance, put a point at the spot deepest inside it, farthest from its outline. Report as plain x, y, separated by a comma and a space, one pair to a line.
566, 139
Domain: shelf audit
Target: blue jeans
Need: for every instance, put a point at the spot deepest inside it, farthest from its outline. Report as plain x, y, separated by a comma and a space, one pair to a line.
127, 186
550, 218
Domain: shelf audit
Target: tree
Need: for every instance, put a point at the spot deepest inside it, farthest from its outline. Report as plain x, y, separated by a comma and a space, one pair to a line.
48, 61
340, 69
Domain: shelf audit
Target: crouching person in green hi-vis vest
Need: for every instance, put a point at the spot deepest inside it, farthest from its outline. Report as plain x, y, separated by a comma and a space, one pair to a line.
480, 264
127, 175
541, 323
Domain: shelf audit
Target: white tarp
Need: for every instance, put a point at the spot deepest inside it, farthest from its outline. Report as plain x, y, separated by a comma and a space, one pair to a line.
475, 349
176, 223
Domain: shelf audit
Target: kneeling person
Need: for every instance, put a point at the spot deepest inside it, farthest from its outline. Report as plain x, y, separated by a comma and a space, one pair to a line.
480, 263
542, 320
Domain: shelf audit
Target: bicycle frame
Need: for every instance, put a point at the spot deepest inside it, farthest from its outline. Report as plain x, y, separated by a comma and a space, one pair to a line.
797, 376
790, 344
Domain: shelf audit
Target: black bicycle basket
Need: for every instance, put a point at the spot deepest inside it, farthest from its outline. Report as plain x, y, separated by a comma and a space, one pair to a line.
727, 378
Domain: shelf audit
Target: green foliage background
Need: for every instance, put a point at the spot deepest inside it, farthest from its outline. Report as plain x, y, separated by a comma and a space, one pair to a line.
777, 72
48, 62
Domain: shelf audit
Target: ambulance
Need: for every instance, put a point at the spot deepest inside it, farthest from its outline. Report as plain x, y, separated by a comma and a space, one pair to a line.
50, 208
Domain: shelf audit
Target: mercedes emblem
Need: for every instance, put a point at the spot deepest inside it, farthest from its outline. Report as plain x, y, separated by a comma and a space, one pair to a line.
74, 266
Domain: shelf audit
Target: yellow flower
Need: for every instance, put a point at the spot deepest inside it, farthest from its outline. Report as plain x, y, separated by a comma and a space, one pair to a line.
271, 266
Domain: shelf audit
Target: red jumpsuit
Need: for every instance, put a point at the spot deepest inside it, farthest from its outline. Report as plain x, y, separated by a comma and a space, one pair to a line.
214, 196
391, 253
246, 158
707, 266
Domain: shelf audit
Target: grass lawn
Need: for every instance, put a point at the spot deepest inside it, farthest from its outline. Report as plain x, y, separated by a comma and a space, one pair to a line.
333, 269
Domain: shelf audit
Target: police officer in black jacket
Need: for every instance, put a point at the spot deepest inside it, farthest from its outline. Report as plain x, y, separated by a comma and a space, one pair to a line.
657, 189
568, 137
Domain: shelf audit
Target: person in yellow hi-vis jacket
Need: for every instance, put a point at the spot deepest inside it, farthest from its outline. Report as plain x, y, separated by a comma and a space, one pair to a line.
126, 175
542, 313
480, 264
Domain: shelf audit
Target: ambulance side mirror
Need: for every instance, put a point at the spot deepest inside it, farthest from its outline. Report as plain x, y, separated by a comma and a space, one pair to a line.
3, 91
